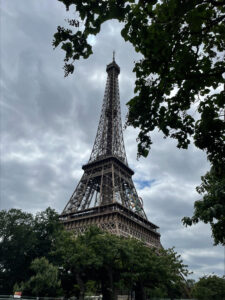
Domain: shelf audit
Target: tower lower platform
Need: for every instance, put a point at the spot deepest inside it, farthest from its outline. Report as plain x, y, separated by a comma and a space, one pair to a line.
116, 219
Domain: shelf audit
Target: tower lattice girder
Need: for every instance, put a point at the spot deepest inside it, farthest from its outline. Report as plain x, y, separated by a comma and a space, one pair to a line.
106, 195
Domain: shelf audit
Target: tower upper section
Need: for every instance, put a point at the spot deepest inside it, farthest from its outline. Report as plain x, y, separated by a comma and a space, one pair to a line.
113, 66
109, 138
107, 179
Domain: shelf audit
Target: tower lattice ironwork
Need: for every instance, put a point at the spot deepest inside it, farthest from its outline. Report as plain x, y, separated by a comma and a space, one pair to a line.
106, 195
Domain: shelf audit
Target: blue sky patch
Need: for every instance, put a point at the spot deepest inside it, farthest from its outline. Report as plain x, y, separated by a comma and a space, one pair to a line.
141, 184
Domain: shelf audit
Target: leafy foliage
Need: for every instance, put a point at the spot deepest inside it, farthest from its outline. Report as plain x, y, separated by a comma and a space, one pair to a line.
17, 247
23, 238
38, 257
113, 262
211, 209
179, 80
182, 44
45, 282
210, 287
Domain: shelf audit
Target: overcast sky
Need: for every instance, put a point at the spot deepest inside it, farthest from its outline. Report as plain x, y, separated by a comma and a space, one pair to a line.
48, 127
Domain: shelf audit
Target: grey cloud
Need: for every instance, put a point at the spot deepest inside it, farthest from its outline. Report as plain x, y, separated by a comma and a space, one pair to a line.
210, 260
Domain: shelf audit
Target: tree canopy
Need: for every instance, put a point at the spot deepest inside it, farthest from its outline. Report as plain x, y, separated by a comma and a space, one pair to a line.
212, 208
24, 237
180, 79
40, 258
45, 280
118, 263
209, 287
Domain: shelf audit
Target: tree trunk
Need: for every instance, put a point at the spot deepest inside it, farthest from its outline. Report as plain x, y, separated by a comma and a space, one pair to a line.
81, 286
108, 290
139, 291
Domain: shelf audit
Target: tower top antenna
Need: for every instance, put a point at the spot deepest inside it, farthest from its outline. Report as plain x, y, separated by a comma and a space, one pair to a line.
114, 55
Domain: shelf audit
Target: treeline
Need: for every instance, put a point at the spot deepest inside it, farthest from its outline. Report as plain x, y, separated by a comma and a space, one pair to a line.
40, 258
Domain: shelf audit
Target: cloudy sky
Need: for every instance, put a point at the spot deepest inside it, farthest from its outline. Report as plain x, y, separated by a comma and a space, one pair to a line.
48, 126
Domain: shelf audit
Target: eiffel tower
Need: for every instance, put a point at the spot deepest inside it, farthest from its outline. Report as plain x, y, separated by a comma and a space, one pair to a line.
106, 196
